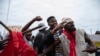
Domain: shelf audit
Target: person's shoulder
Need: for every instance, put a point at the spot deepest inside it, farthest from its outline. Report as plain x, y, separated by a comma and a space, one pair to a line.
80, 30
48, 30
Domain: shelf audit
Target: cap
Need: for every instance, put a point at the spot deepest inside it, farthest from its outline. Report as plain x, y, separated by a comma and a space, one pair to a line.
43, 26
67, 20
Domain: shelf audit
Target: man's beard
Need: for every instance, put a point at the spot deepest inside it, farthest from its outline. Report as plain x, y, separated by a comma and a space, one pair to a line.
71, 29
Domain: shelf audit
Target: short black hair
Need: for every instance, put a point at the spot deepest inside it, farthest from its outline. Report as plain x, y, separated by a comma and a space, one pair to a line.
97, 32
49, 18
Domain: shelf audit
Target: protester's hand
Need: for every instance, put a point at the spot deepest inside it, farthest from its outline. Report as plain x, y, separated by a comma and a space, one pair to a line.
90, 49
2, 44
1, 47
3, 41
62, 23
59, 26
38, 18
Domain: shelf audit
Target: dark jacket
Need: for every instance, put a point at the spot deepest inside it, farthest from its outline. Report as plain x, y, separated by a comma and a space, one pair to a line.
38, 42
49, 39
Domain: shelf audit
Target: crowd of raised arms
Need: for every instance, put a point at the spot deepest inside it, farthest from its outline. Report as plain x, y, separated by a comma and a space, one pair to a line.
60, 39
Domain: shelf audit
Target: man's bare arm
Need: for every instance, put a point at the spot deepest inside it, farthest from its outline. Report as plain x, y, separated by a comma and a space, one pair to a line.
32, 29
91, 48
37, 18
61, 25
5, 26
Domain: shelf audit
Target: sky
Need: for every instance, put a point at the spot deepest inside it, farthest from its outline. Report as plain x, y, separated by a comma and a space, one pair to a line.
85, 13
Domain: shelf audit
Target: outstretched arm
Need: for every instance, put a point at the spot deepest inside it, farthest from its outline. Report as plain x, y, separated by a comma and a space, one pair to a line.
91, 48
5, 26
61, 25
88, 40
32, 29
37, 18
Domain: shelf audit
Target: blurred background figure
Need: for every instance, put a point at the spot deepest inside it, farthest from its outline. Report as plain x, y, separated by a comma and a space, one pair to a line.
38, 42
97, 32
98, 48
28, 36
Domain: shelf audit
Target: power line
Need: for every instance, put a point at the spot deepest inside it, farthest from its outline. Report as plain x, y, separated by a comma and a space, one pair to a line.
8, 11
88, 25
7, 14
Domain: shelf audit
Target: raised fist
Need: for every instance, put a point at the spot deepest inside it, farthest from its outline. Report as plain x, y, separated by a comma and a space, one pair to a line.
38, 18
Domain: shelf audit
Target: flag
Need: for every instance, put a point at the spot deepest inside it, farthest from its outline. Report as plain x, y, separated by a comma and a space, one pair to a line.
17, 46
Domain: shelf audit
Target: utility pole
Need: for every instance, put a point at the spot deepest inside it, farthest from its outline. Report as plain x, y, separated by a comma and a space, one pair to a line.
91, 31
7, 16
8, 12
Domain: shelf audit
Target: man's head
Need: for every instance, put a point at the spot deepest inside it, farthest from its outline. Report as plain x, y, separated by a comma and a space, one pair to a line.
97, 32
52, 22
43, 28
28, 35
69, 24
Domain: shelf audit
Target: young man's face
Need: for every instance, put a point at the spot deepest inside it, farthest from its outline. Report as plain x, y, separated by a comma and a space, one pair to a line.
70, 26
52, 23
28, 35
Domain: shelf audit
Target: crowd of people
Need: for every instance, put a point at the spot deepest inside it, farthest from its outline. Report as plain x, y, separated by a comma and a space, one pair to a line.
62, 39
